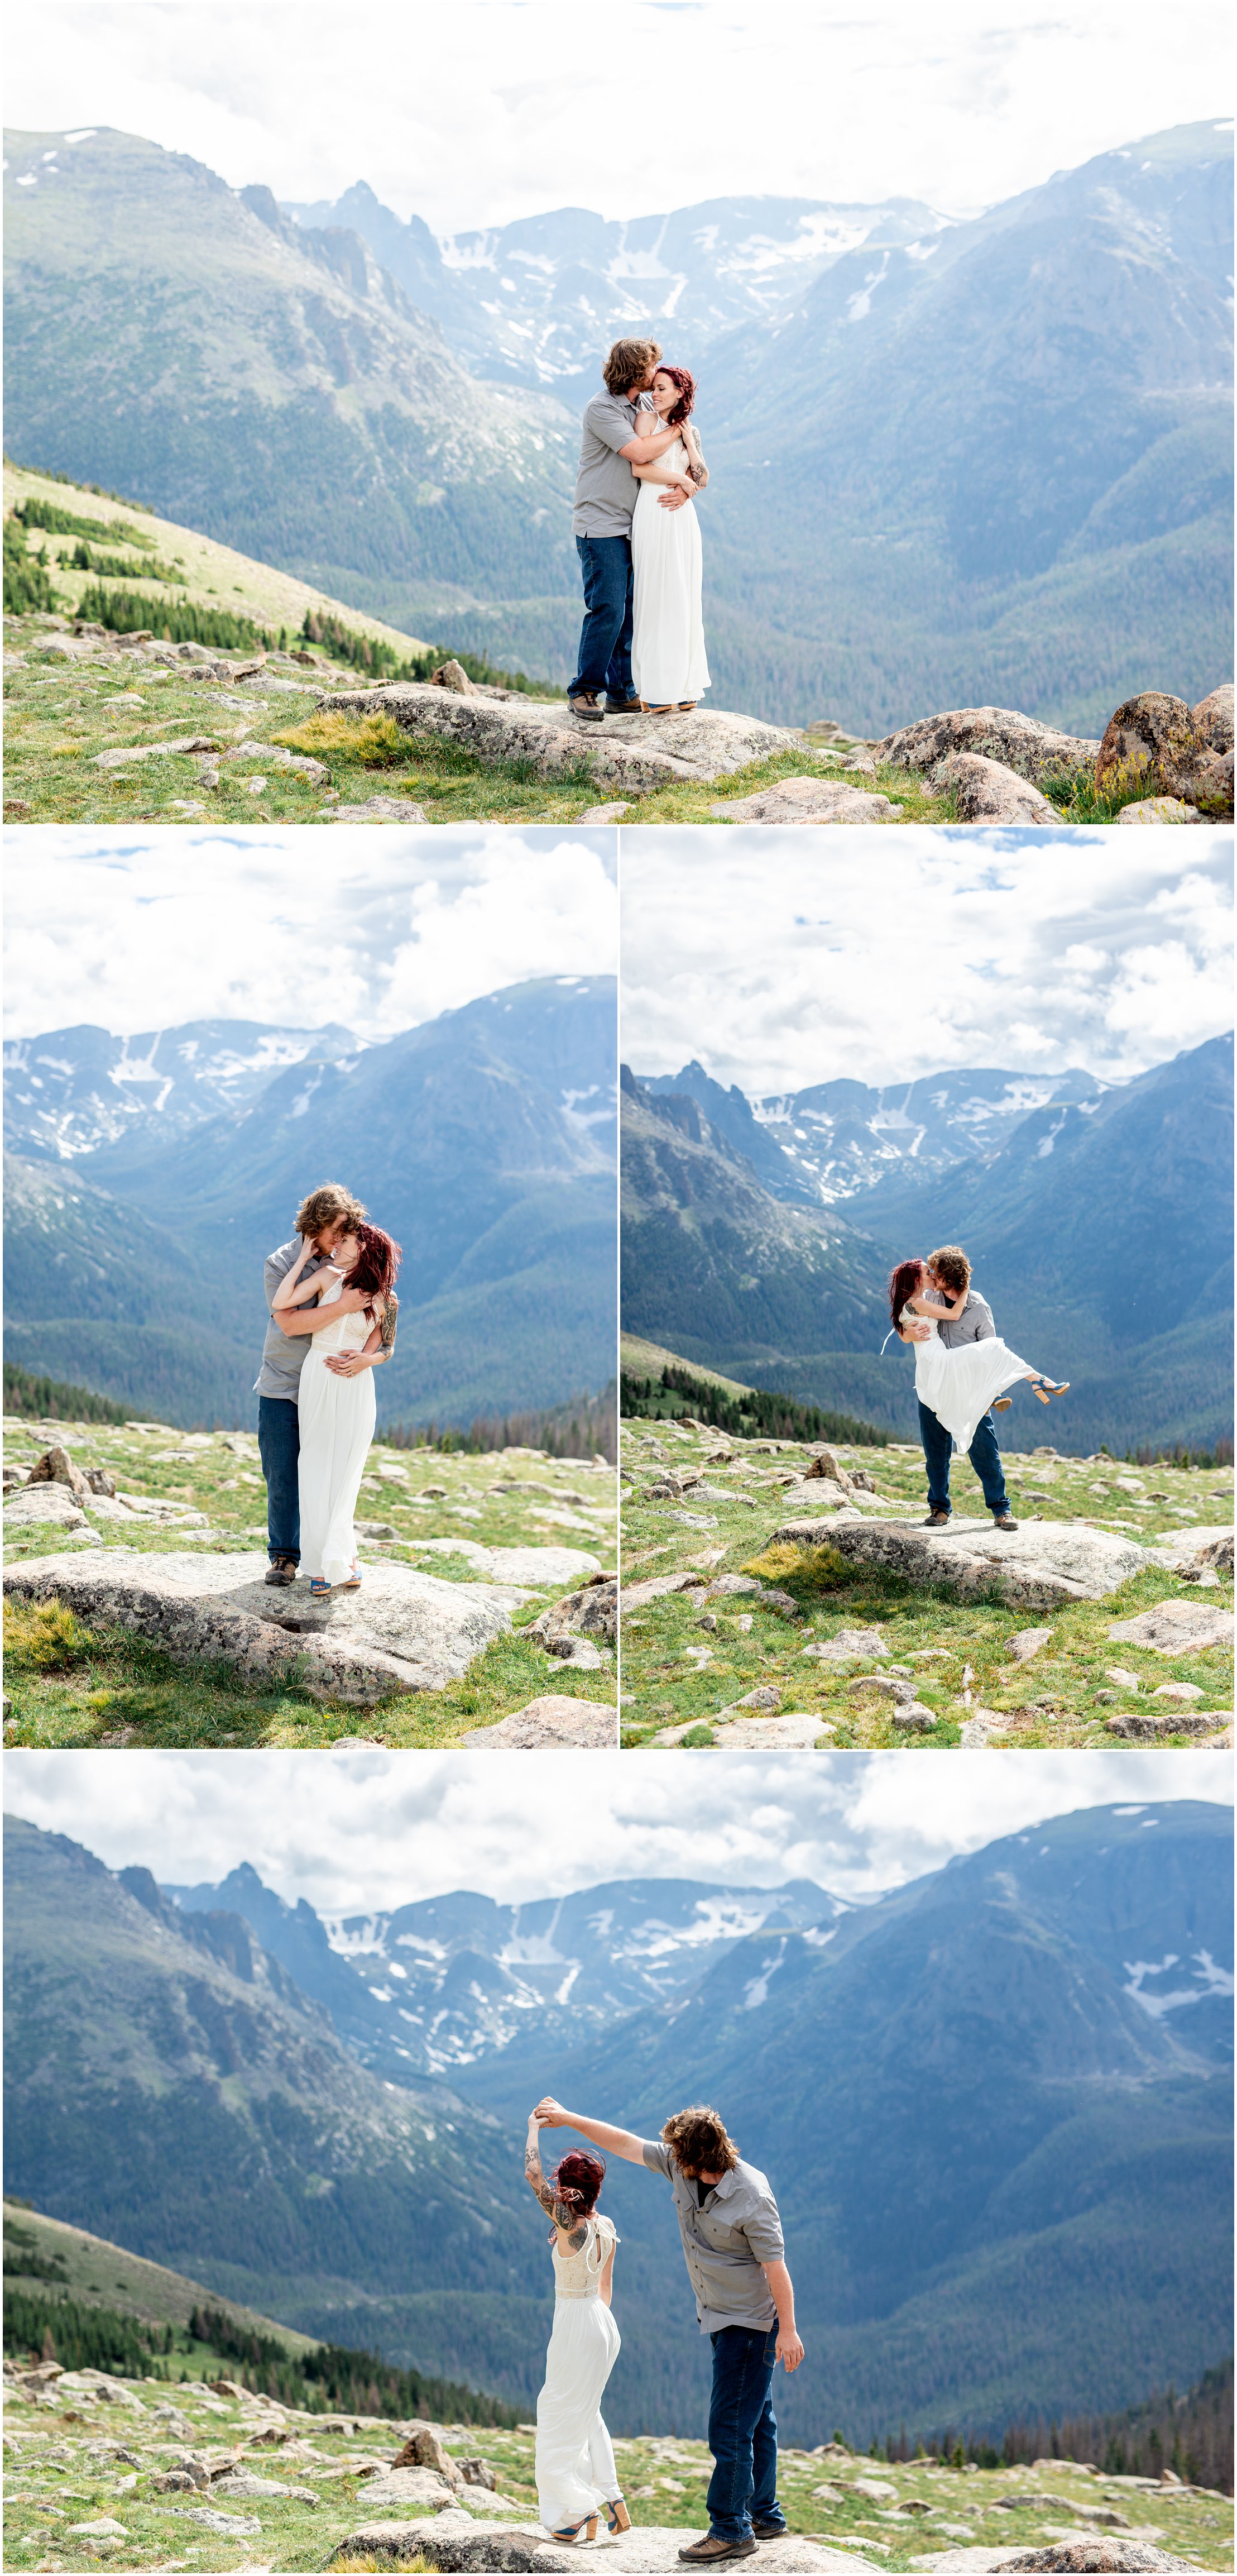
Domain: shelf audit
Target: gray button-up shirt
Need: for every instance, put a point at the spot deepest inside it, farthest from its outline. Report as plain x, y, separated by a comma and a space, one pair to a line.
974, 1324
283, 1354
726, 2242
606, 488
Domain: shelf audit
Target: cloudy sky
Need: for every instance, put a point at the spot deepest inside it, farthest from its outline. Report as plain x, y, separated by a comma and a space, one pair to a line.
781, 958
493, 109
358, 1830
379, 930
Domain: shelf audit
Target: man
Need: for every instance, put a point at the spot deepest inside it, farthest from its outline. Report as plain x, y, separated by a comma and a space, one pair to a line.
732, 2244
325, 1218
949, 1273
606, 494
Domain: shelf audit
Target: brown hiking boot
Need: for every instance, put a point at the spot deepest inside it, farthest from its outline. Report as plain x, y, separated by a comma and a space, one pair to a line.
586, 705
711, 2551
282, 1569
936, 1520
1004, 1520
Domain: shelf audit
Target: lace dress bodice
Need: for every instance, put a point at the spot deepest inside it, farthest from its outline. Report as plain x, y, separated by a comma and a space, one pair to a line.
578, 2276
350, 1332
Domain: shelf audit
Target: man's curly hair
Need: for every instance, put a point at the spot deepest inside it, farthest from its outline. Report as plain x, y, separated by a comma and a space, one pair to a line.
951, 1265
699, 2138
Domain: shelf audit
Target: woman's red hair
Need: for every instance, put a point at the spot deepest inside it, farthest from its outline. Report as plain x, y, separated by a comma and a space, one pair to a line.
904, 1283
686, 382
377, 1262
578, 2181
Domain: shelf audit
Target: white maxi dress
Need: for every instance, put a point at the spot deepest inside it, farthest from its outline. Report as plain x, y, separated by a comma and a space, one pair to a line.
959, 1385
337, 1417
576, 2475
668, 660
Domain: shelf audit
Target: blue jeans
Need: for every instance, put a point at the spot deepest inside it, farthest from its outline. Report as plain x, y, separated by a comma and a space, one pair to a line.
743, 2433
984, 1455
605, 637
279, 1446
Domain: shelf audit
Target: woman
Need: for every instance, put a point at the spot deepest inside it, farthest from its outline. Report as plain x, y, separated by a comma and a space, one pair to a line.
668, 660
956, 1385
336, 1399
576, 2475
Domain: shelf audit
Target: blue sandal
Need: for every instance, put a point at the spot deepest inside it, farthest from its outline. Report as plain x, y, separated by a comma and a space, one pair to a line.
1043, 1387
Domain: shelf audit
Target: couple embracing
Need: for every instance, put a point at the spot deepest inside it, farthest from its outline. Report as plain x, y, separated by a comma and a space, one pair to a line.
638, 540
732, 2244
331, 1305
962, 1371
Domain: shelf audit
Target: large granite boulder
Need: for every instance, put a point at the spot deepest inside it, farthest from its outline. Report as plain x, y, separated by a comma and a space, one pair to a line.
1156, 741
452, 2542
403, 1631
636, 753
1034, 1568
1018, 742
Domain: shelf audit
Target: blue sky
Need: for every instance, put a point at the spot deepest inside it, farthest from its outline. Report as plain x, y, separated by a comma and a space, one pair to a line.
493, 109
782, 958
377, 930
356, 1831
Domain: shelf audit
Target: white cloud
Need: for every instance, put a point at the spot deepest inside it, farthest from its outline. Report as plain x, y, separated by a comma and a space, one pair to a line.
782, 958
377, 930
487, 111
355, 1831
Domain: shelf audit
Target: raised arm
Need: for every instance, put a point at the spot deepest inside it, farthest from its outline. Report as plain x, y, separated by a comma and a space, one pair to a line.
293, 1289
550, 2114
568, 2222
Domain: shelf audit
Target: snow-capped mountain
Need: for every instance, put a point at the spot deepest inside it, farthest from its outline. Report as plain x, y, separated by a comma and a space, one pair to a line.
444, 1982
70, 1091
532, 302
833, 1140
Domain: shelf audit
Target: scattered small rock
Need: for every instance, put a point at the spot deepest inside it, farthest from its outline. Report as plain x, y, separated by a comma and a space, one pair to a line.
1160, 809
1028, 1642
808, 800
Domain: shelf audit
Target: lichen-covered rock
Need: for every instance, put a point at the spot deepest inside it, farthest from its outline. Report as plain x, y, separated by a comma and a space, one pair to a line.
590, 1612
633, 753
46, 1507
576, 1725
55, 1467
1213, 717
1018, 742
1175, 1628
1159, 809
1033, 1568
986, 791
809, 800
1155, 740
402, 1631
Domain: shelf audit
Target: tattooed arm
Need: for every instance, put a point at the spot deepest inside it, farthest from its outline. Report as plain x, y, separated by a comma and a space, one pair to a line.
573, 2229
